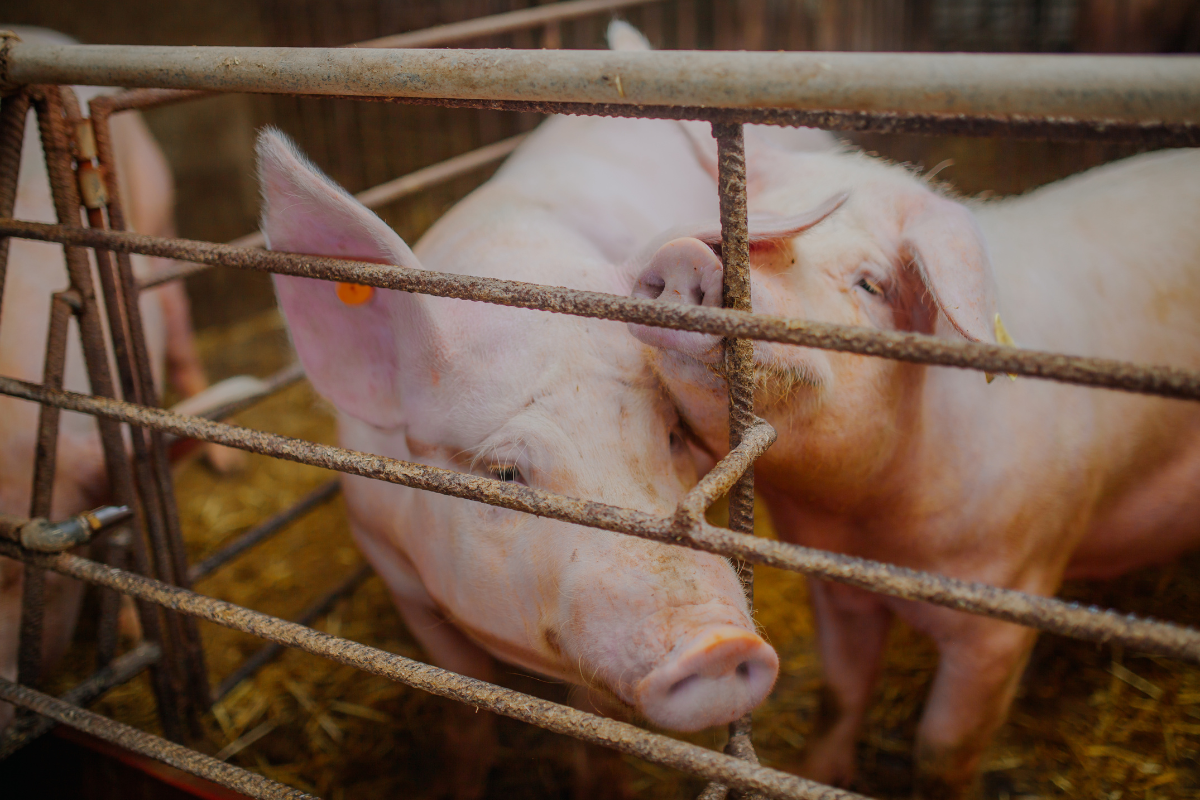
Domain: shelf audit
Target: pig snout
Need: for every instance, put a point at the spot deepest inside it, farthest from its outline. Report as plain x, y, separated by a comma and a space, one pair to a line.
688, 272
712, 679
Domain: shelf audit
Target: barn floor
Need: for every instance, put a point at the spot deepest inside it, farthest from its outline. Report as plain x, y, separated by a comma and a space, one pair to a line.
1090, 721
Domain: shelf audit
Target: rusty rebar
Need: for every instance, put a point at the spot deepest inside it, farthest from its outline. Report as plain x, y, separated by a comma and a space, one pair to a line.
554, 717
917, 348
13, 111
739, 371
151, 464
720, 479
1045, 613
262, 532
236, 778
121, 670
51, 103
375, 197
315, 610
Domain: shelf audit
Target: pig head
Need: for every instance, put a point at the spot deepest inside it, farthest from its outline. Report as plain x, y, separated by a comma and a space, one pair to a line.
548, 401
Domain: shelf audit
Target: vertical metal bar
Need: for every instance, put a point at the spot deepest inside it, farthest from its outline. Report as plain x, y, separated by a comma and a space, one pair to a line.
13, 111
49, 103
44, 465
739, 362
133, 359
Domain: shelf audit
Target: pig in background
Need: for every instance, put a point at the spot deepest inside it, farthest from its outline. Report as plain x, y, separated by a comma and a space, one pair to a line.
35, 271
1017, 484
555, 402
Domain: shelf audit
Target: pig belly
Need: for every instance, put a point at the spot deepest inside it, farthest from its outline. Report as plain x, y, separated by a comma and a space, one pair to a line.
1156, 520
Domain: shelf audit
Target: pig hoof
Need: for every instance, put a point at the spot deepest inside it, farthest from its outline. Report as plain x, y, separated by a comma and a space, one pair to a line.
224, 460
714, 679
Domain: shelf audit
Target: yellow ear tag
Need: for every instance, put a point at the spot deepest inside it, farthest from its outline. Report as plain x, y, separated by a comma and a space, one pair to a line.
1002, 337
354, 294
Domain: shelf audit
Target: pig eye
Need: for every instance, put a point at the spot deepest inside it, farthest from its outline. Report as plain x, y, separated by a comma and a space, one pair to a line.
509, 473
870, 287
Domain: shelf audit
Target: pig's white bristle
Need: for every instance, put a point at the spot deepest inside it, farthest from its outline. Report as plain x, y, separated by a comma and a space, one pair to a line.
623, 36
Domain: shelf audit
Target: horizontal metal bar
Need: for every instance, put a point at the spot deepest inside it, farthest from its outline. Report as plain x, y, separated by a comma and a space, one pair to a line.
912, 347
1045, 613
120, 670
1160, 89
176, 755
272, 385
263, 531
268, 652
501, 23
562, 719
375, 197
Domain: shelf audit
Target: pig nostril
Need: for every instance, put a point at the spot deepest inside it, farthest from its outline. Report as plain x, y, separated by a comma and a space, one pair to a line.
679, 685
650, 287
743, 669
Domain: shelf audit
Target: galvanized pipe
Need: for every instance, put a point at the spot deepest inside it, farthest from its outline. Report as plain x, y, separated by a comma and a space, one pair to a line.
1044, 613
1117, 89
913, 347
554, 717
375, 197
248, 783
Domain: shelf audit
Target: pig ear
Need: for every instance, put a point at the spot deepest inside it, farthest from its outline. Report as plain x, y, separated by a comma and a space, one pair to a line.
763, 228
947, 249
357, 354
761, 151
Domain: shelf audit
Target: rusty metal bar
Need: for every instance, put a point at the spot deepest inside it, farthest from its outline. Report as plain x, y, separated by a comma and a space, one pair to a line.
52, 105
375, 197
13, 111
739, 369
119, 671
1045, 613
272, 385
554, 717
500, 23
262, 532
151, 465
1114, 89
913, 347
721, 478
180, 757
318, 608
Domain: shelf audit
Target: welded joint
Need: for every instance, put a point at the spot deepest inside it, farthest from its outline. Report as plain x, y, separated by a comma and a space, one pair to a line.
43, 536
721, 478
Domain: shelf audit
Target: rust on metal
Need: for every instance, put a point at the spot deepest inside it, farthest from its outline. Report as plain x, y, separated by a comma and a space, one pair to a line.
620, 736
236, 778
917, 348
1045, 613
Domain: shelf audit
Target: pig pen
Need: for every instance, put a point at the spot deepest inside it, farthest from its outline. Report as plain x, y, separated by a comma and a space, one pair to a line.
1103, 721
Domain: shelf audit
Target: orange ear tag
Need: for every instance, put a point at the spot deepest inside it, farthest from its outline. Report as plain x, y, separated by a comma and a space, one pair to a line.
354, 294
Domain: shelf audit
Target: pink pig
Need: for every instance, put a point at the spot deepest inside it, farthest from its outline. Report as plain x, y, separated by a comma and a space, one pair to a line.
35, 271
551, 401
1018, 484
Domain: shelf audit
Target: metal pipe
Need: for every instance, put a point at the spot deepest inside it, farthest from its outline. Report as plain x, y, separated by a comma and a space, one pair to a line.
180, 757
912, 347
500, 23
262, 532
375, 197
268, 652
119, 671
1045, 613
43, 536
1128, 89
554, 717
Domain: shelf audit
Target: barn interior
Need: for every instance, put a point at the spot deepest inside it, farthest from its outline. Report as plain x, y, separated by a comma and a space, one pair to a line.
1089, 721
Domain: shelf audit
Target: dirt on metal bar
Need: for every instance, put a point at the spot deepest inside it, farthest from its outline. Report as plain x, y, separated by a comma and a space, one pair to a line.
913, 347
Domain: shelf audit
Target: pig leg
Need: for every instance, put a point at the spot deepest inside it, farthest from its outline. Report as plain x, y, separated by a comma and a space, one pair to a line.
852, 627
977, 676
470, 733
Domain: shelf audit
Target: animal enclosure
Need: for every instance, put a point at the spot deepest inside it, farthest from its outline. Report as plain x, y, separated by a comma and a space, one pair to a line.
1140, 101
